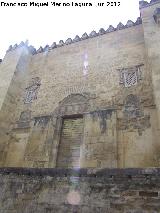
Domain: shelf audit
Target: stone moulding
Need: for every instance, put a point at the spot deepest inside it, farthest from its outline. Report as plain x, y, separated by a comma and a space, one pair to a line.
58, 172
69, 41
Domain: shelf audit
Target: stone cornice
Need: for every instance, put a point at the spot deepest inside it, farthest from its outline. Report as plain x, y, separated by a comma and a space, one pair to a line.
69, 41
143, 4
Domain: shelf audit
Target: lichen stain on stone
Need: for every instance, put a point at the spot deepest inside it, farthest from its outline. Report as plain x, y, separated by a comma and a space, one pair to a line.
102, 116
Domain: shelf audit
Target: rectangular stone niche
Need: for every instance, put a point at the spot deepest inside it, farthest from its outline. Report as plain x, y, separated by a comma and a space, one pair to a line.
70, 142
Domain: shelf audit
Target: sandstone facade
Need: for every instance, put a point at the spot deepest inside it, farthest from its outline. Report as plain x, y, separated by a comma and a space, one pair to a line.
90, 102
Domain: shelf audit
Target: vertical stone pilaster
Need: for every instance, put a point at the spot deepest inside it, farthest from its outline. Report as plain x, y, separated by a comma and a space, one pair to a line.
151, 28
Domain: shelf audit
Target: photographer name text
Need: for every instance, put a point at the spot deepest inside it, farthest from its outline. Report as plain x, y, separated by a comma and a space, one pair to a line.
60, 4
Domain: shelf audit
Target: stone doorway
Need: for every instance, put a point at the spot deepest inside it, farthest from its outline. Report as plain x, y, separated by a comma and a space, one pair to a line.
70, 142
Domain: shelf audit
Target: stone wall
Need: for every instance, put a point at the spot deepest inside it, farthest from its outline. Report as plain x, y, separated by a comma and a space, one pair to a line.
85, 191
109, 78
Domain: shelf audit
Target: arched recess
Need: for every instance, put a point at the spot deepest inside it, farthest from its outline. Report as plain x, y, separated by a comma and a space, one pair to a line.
68, 135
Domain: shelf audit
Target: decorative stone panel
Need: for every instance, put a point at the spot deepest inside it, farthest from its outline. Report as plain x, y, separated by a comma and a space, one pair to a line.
24, 120
130, 76
41, 121
134, 118
32, 90
132, 107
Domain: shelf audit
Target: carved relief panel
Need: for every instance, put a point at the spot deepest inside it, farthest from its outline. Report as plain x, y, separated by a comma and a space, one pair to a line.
32, 90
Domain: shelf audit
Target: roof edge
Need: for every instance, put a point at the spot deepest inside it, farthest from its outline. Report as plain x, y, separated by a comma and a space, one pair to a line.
85, 36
